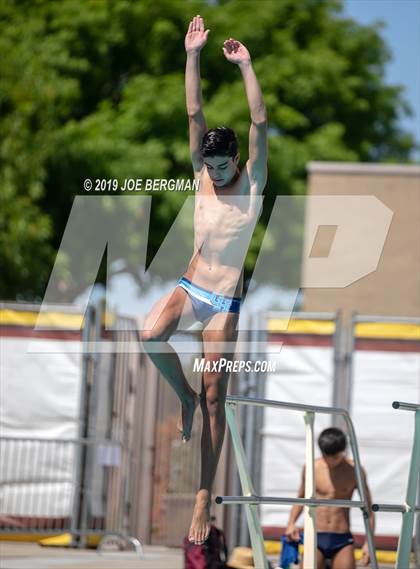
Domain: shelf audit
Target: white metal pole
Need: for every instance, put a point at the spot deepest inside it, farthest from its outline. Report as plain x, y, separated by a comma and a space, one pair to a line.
310, 545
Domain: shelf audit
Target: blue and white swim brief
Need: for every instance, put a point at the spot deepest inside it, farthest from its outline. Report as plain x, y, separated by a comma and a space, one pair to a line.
206, 303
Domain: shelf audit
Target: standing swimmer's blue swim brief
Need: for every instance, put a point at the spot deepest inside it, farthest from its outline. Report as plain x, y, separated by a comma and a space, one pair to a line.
330, 543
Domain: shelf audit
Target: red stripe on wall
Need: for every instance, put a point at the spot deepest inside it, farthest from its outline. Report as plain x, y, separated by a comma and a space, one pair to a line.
28, 332
381, 345
363, 344
300, 339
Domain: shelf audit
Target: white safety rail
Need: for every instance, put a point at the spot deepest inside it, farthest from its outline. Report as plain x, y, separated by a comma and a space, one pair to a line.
408, 509
251, 500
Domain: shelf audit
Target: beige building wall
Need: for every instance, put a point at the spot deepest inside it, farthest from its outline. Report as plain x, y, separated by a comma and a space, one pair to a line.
394, 287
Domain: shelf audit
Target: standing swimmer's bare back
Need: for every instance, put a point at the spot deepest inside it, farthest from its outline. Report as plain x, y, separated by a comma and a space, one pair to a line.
226, 209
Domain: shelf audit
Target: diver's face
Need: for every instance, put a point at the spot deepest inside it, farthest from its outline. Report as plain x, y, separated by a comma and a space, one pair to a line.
221, 169
333, 460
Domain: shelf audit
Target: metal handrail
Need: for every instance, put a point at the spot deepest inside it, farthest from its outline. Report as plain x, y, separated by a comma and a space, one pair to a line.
287, 501
410, 508
251, 500
396, 319
393, 508
301, 315
406, 406
285, 405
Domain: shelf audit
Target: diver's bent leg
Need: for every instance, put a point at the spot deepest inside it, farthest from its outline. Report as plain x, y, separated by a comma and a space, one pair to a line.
169, 365
159, 325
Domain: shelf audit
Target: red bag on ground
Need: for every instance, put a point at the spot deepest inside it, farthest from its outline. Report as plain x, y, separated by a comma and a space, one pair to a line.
211, 555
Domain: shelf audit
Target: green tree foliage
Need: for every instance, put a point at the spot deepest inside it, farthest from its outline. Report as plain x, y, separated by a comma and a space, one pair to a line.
95, 88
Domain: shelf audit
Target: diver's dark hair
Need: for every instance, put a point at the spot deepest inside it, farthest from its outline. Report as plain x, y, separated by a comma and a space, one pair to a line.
332, 441
220, 141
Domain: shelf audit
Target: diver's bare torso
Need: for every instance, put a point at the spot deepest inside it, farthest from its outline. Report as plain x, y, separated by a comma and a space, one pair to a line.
337, 483
223, 219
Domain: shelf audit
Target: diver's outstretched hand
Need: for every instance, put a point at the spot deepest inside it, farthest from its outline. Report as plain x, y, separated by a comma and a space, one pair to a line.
196, 37
236, 52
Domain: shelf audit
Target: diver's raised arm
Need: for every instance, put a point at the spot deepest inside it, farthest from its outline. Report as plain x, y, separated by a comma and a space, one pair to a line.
195, 40
236, 52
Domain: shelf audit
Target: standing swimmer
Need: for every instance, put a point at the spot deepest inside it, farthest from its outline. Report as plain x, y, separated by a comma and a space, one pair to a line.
335, 479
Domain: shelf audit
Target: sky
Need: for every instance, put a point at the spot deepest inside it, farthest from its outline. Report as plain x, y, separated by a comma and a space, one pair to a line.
402, 35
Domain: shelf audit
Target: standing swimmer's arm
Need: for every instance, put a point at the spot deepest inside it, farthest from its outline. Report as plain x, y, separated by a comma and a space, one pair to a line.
195, 40
292, 531
235, 52
365, 548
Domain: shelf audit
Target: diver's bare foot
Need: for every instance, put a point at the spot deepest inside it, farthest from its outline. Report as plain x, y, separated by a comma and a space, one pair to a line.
186, 416
200, 524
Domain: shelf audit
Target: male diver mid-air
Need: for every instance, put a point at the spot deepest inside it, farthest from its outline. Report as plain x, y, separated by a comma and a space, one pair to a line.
227, 206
